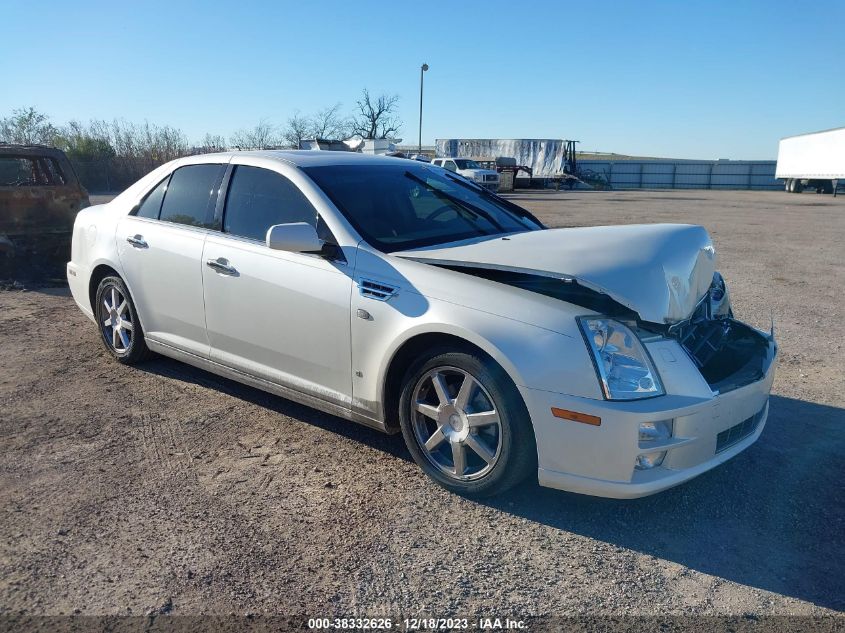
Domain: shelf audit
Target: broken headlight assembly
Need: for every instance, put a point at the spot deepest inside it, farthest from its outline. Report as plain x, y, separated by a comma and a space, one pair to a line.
624, 368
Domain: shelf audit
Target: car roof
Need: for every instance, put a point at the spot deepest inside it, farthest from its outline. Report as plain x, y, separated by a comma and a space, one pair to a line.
10, 149
316, 158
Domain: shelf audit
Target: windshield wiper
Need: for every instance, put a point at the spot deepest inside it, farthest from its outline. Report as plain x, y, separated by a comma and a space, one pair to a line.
476, 211
510, 206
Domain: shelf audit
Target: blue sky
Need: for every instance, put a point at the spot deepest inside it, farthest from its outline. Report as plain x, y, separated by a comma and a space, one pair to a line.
678, 79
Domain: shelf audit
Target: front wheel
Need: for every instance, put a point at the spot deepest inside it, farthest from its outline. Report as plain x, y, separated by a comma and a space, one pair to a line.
117, 319
465, 424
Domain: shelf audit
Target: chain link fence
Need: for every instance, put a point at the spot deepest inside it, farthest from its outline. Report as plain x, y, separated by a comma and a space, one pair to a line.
111, 176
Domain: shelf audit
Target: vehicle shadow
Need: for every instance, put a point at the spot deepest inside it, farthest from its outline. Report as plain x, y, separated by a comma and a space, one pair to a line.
771, 518
390, 444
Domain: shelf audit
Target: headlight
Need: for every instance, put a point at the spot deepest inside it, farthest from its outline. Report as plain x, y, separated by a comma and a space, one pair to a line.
624, 367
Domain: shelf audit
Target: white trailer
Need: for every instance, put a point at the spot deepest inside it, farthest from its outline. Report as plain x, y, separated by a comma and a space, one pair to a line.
815, 160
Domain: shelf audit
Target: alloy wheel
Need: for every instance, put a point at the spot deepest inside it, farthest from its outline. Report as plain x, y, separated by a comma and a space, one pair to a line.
116, 320
456, 423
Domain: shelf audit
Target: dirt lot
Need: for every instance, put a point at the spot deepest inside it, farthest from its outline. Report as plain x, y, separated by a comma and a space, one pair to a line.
163, 489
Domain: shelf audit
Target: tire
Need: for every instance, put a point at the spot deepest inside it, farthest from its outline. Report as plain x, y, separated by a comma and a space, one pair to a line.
488, 422
799, 186
126, 341
787, 186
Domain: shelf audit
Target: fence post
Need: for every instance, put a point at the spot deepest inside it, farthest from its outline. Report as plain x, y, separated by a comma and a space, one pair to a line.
641, 175
750, 170
710, 177
674, 171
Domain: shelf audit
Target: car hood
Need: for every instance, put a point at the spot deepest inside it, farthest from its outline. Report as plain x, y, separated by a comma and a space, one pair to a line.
660, 271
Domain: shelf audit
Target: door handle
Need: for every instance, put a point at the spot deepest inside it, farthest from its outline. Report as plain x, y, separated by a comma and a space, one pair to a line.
222, 266
137, 241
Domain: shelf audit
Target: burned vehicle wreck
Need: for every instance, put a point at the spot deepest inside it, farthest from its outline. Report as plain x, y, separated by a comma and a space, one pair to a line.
601, 360
40, 196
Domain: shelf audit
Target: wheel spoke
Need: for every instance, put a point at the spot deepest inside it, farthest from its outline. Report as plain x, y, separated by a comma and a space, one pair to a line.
107, 322
427, 410
440, 388
113, 297
122, 308
459, 458
465, 393
482, 419
124, 338
106, 304
435, 440
115, 338
480, 449
126, 325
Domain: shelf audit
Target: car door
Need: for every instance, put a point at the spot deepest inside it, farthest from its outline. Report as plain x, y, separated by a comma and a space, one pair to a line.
160, 248
277, 315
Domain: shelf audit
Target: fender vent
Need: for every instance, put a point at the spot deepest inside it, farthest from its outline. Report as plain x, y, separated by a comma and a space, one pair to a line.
376, 290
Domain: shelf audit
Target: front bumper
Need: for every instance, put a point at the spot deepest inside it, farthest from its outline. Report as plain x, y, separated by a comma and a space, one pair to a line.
599, 460
492, 185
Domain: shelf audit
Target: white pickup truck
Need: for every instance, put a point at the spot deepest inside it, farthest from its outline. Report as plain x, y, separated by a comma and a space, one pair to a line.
471, 170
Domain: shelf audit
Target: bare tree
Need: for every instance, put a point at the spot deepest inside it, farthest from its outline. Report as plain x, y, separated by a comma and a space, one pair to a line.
262, 136
328, 123
298, 127
213, 143
27, 126
376, 118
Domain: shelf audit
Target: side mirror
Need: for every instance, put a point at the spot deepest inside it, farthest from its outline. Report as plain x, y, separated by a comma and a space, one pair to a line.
297, 237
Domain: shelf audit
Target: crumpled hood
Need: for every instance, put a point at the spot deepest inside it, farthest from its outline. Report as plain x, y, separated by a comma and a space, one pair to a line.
660, 271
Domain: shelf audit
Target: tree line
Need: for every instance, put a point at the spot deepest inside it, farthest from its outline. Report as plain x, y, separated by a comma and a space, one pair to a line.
110, 155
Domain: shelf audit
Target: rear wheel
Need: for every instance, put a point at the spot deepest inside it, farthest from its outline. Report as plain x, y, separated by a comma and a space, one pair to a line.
118, 322
465, 424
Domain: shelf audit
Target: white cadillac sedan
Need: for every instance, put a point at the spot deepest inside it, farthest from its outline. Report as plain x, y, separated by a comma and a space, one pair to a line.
602, 360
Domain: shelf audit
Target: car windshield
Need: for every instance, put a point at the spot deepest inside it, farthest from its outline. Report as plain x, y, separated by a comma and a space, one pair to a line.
463, 163
397, 207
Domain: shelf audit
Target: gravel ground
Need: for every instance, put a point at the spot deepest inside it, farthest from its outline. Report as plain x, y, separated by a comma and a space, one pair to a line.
164, 489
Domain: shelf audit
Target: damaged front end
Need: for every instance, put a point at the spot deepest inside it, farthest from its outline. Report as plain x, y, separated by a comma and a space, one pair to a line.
728, 353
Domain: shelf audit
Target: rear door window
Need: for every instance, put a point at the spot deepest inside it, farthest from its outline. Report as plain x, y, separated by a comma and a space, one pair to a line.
25, 171
259, 198
190, 195
151, 205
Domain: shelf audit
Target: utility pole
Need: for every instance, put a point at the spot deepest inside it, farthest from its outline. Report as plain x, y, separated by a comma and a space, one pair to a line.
423, 68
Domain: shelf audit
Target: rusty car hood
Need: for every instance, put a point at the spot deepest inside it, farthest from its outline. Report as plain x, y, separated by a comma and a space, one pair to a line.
660, 271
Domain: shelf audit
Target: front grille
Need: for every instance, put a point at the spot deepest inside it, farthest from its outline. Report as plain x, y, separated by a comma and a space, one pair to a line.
491, 177
738, 432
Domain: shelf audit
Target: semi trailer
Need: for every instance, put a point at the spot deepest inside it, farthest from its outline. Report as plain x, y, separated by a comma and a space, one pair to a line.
815, 160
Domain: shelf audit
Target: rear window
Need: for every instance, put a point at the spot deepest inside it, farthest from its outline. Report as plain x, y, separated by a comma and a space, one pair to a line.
190, 195
29, 171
